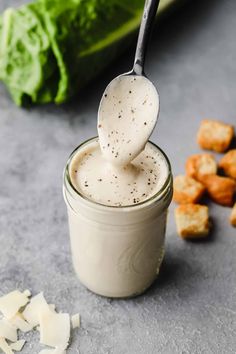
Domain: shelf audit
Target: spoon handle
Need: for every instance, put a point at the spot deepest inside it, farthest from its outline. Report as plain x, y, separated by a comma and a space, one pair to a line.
149, 13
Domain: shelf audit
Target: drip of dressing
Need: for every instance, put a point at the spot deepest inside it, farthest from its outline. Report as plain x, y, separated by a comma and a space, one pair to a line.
126, 118
98, 180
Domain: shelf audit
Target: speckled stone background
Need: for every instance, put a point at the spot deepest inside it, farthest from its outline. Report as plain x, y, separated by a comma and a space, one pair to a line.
192, 306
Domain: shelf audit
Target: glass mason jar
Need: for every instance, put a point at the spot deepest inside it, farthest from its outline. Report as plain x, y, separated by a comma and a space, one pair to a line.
117, 250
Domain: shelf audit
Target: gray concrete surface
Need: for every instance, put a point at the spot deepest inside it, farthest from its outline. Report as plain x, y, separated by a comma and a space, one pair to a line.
192, 306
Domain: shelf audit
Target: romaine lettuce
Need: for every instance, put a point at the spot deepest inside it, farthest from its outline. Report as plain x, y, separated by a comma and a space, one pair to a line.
51, 48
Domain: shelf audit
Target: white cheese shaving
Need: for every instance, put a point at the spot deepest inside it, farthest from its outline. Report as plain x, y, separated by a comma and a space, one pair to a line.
19, 322
17, 346
52, 307
27, 293
52, 351
5, 347
8, 331
75, 320
12, 302
59, 351
54, 329
19, 314
37, 305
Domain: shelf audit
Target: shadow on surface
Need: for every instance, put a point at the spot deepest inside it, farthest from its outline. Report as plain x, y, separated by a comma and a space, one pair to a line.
171, 272
233, 143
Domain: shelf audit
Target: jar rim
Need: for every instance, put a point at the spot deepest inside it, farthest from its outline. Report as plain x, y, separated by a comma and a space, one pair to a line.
116, 207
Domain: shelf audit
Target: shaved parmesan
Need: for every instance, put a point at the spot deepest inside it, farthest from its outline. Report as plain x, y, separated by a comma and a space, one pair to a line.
8, 331
52, 351
37, 305
17, 346
5, 347
59, 351
12, 302
75, 320
19, 322
52, 307
54, 329
19, 314
27, 293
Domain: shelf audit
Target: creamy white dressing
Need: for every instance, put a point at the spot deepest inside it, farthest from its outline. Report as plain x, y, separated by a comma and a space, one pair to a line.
104, 183
126, 118
120, 168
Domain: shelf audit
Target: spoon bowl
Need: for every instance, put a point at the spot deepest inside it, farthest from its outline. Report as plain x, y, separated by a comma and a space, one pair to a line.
130, 103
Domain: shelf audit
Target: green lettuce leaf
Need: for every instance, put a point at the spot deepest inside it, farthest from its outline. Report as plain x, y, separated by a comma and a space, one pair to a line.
51, 48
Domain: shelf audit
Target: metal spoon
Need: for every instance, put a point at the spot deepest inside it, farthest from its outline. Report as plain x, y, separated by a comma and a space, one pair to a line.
117, 93
149, 13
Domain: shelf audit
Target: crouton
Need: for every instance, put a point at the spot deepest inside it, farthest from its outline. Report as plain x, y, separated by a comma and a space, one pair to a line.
233, 216
192, 221
199, 165
214, 135
220, 189
228, 163
187, 190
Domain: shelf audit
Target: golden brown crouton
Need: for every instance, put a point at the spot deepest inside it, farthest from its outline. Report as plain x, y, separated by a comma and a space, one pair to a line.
192, 220
220, 189
215, 135
187, 190
233, 216
200, 164
228, 163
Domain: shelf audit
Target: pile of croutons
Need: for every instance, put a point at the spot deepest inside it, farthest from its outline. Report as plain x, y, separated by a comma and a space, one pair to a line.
192, 218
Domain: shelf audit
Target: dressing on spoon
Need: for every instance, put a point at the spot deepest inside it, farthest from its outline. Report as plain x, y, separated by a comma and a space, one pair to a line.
126, 118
